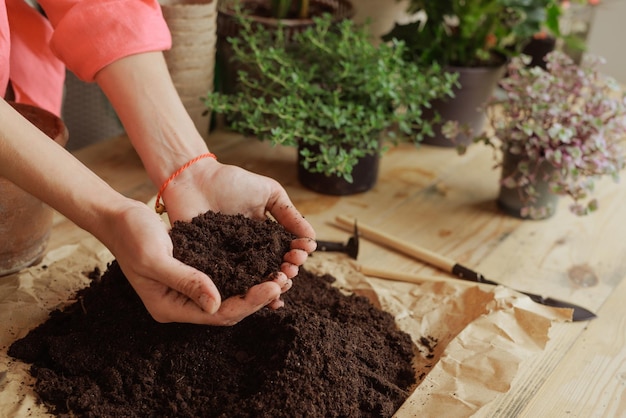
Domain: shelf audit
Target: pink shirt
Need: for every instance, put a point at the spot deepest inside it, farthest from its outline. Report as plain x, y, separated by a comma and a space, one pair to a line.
84, 35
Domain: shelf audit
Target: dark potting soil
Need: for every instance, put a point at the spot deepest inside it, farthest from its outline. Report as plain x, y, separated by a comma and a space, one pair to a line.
235, 251
325, 354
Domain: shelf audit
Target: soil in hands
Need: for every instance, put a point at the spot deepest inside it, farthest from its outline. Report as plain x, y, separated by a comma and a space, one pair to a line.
325, 354
235, 251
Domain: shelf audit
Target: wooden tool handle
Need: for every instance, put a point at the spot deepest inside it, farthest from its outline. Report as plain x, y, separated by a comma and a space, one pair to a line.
403, 277
405, 247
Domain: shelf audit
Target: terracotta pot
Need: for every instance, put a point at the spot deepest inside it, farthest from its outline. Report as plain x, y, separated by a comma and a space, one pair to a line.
510, 199
364, 174
25, 221
466, 107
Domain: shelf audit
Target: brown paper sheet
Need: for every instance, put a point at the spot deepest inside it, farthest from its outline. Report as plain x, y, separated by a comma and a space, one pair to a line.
481, 335
26, 299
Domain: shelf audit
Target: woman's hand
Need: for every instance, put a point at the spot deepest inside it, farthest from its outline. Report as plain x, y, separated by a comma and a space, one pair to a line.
171, 290
210, 185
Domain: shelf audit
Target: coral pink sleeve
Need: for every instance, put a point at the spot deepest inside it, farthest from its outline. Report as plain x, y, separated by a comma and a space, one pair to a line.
5, 48
36, 74
90, 34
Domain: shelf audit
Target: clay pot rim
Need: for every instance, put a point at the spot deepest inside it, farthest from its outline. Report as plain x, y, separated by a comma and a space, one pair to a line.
47, 122
27, 219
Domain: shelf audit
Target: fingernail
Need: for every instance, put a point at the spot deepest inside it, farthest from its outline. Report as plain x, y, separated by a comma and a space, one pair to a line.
282, 280
207, 303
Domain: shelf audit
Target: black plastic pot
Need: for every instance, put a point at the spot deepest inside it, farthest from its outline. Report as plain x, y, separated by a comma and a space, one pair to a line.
364, 174
537, 49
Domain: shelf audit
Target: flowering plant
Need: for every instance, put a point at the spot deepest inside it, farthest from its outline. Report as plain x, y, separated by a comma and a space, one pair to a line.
572, 117
468, 33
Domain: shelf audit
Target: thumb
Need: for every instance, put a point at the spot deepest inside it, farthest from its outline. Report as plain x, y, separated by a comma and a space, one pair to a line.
193, 284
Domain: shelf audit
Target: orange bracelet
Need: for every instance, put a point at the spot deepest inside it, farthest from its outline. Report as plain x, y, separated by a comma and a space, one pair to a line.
160, 207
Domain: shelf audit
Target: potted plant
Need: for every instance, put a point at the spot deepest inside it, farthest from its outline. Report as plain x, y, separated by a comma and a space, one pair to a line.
332, 93
474, 39
557, 130
26, 221
292, 15
544, 41
282, 8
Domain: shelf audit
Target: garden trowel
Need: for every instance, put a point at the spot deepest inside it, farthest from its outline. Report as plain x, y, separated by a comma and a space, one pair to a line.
458, 270
351, 247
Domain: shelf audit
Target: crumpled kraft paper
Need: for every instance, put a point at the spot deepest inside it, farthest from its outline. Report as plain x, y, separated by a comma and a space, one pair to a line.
470, 341
26, 299
480, 336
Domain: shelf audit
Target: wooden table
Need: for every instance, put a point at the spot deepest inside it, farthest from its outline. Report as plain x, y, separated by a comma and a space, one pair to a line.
445, 202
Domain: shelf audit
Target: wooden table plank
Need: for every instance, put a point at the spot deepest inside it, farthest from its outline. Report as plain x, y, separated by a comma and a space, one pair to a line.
590, 380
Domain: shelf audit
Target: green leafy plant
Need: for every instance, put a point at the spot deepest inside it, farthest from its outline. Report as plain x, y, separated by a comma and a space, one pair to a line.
328, 88
468, 33
571, 117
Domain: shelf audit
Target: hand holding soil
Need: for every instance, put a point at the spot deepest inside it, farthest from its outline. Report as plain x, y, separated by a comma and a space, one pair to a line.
253, 197
175, 291
242, 256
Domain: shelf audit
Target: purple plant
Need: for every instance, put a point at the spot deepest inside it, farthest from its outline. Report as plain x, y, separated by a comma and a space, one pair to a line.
573, 117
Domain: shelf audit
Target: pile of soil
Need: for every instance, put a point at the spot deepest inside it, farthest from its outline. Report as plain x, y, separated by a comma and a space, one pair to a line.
325, 354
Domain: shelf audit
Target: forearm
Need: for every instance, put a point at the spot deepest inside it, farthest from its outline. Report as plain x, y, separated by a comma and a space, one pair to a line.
140, 89
34, 162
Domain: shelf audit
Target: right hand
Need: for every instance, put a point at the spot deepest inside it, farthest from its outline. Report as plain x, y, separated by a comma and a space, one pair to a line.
171, 290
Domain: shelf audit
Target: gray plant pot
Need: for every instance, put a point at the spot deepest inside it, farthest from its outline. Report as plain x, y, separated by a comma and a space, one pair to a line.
510, 200
466, 107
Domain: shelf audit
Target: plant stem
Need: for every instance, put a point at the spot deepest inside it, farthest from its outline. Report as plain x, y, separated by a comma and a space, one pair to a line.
304, 9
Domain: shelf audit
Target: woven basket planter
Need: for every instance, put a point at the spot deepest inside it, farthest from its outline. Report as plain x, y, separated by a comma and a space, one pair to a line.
191, 60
